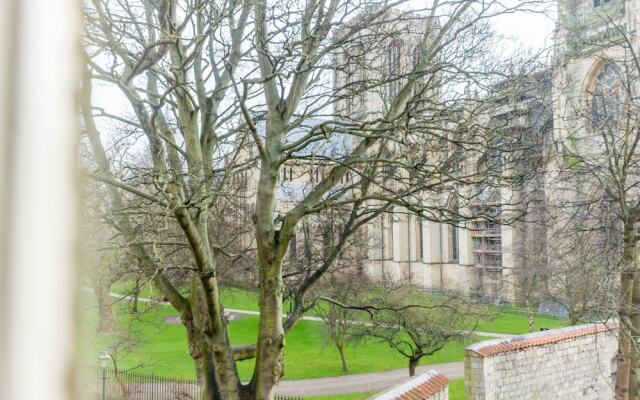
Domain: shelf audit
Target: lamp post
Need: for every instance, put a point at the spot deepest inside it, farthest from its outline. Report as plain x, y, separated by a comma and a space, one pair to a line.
104, 361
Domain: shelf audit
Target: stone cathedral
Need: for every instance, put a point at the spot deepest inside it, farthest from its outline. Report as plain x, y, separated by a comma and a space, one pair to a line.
484, 258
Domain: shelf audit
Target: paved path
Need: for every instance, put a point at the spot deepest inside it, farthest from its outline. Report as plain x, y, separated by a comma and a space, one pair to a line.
370, 382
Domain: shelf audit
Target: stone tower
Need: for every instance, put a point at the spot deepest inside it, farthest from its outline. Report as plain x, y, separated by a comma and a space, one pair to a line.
593, 39
589, 47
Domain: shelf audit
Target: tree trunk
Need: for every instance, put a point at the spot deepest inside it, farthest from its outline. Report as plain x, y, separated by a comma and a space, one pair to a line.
136, 295
107, 319
272, 244
203, 352
343, 358
205, 373
574, 316
270, 359
625, 313
413, 364
634, 372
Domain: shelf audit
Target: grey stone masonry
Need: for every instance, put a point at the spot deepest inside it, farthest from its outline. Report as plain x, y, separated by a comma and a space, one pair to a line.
578, 362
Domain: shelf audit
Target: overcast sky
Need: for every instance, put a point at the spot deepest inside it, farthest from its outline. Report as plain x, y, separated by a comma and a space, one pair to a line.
528, 30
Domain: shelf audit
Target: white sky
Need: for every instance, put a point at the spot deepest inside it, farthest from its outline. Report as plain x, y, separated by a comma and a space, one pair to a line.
533, 31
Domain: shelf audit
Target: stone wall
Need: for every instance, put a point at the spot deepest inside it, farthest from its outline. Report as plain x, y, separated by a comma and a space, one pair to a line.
569, 363
428, 386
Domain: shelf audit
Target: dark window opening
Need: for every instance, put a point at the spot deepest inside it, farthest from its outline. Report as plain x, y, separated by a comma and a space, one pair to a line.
421, 236
454, 243
393, 67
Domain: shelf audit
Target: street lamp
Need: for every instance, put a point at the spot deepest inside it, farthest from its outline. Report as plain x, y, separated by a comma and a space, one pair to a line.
104, 362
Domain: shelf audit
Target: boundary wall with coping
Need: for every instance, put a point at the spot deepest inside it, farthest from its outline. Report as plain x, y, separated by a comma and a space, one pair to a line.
578, 362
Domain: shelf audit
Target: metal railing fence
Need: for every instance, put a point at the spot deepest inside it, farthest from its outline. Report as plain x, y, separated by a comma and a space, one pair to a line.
107, 384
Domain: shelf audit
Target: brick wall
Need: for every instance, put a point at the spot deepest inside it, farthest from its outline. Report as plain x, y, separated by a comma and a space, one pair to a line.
570, 363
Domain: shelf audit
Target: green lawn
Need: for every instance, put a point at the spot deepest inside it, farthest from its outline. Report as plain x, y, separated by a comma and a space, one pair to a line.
232, 297
510, 322
456, 389
501, 320
126, 288
162, 348
504, 319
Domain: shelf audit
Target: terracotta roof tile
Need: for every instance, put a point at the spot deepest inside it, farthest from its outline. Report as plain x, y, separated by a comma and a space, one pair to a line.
497, 346
420, 387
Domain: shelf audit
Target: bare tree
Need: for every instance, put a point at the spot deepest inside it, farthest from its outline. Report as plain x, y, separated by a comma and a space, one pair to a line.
216, 91
346, 287
582, 273
412, 323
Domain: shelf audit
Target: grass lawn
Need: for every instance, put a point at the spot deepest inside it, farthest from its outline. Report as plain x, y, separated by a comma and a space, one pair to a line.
456, 389
161, 348
507, 321
504, 319
237, 298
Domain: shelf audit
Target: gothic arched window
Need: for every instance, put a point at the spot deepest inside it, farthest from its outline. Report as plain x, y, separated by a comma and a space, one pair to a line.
393, 67
606, 98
